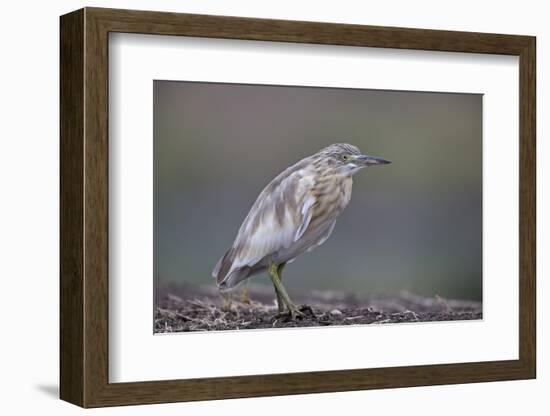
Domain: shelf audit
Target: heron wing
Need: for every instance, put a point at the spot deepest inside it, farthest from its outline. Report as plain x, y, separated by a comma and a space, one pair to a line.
278, 218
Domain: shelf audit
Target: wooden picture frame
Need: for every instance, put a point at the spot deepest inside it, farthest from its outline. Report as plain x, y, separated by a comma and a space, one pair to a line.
84, 207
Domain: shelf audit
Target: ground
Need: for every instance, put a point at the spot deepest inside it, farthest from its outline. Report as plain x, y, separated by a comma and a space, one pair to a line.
185, 308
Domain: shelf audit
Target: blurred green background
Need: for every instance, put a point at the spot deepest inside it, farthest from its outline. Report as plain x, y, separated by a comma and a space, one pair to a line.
413, 225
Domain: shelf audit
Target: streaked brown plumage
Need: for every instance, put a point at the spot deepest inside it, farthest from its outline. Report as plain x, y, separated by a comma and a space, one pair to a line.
295, 213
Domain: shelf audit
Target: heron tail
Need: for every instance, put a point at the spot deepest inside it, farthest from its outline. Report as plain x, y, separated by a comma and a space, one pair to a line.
223, 266
227, 277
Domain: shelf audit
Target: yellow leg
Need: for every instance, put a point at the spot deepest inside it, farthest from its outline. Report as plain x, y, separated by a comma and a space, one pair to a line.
280, 302
282, 296
245, 294
227, 301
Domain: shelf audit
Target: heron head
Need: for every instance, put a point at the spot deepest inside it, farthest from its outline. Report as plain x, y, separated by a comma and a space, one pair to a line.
348, 158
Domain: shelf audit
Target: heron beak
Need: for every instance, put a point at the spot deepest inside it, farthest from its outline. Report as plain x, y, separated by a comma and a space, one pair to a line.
371, 160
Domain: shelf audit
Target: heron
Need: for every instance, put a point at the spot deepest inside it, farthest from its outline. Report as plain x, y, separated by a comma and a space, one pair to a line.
295, 213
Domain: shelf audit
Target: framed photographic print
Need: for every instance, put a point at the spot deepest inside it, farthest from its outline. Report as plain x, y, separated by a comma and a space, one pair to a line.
255, 207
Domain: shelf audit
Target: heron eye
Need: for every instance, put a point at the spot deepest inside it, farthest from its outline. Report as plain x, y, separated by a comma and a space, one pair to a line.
345, 157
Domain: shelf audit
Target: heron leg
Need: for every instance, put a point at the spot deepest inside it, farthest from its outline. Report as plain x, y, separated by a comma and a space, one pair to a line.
280, 301
227, 301
273, 271
245, 294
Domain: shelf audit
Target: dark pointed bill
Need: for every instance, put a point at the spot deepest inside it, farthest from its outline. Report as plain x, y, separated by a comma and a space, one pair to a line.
371, 160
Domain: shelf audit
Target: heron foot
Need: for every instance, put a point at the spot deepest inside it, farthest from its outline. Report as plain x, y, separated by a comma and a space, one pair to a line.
295, 313
289, 316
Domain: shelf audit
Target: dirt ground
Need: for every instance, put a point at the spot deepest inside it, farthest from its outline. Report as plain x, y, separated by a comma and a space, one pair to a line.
186, 308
